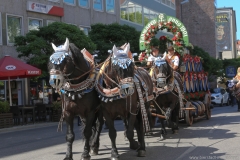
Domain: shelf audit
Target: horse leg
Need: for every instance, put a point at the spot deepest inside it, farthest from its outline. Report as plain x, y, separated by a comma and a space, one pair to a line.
163, 129
112, 134
125, 128
95, 139
175, 120
87, 134
140, 134
130, 132
70, 136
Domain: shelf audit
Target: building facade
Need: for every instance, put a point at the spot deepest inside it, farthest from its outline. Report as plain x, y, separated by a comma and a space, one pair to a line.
198, 16
17, 17
137, 13
226, 33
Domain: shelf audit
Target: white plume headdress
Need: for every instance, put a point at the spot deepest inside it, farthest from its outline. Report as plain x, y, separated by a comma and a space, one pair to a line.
60, 52
120, 57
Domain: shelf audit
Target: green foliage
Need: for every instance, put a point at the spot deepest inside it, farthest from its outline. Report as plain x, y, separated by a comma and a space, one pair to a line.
154, 42
57, 105
105, 36
211, 65
4, 107
36, 47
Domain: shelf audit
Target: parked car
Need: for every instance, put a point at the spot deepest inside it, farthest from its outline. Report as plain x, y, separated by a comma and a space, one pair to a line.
219, 96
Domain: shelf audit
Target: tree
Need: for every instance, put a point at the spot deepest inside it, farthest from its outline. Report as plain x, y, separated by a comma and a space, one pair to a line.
35, 47
105, 36
211, 65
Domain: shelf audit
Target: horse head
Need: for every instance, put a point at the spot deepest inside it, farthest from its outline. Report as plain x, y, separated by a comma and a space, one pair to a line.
162, 72
67, 64
121, 69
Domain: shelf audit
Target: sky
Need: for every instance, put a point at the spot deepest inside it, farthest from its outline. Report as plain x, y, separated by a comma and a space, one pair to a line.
235, 5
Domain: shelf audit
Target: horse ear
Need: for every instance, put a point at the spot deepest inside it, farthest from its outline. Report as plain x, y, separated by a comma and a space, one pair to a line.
114, 51
127, 48
54, 47
66, 44
123, 46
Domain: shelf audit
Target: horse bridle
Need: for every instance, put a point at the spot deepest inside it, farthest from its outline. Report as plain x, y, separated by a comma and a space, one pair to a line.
57, 78
161, 78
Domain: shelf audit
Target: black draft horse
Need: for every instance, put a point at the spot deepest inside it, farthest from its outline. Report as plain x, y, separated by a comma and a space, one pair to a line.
167, 85
72, 72
124, 91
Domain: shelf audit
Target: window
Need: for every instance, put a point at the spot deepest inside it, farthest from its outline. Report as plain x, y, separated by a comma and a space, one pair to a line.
124, 13
0, 28
14, 28
85, 29
72, 2
83, 3
110, 6
34, 24
54, 0
131, 12
49, 22
149, 15
98, 5
169, 3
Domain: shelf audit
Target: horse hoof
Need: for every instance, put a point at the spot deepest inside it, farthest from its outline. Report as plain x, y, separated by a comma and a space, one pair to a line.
134, 145
175, 132
161, 137
94, 152
114, 158
67, 158
86, 158
141, 153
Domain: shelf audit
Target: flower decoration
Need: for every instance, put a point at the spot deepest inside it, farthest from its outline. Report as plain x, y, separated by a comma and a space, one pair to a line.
177, 40
143, 57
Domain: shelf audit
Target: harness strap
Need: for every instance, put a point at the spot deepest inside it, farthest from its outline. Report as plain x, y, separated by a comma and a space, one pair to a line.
145, 120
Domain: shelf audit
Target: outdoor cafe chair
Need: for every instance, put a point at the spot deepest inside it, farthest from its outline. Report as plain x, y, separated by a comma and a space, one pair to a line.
40, 112
16, 114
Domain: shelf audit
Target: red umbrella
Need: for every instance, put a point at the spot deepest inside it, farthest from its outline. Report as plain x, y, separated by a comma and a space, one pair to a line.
12, 68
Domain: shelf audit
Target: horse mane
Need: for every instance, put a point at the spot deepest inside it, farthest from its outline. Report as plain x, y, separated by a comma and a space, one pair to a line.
79, 60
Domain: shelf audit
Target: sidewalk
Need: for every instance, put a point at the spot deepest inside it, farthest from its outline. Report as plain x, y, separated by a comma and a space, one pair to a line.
28, 126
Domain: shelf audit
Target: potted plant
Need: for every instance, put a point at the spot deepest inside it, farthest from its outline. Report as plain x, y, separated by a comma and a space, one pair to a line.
6, 118
57, 110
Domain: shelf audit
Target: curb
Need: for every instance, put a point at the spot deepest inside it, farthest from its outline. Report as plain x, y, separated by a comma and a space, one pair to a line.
26, 127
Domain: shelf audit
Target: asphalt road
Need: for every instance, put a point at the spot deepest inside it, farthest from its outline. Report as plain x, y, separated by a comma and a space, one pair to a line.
217, 138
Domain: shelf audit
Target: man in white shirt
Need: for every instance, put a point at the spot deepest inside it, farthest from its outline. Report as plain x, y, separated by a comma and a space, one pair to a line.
172, 58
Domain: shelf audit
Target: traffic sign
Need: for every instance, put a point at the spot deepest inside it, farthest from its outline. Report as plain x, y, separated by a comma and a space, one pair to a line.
231, 71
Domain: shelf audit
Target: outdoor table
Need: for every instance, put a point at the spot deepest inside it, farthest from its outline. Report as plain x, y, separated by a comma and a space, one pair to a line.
29, 108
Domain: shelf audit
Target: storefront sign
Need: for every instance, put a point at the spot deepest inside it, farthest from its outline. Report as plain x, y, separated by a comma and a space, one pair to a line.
33, 72
10, 67
45, 9
223, 31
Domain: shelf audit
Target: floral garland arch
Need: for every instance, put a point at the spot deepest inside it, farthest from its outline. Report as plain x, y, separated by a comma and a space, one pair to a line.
171, 24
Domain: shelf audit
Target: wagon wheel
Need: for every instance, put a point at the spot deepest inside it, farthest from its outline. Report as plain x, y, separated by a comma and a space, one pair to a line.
207, 103
188, 114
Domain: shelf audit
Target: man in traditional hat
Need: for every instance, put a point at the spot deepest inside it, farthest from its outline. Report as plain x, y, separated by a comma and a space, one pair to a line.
155, 54
172, 58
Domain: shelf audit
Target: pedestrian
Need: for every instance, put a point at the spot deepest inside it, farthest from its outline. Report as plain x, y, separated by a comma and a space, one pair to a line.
229, 88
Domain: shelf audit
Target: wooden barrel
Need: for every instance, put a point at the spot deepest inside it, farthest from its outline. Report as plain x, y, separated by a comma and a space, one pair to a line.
202, 107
